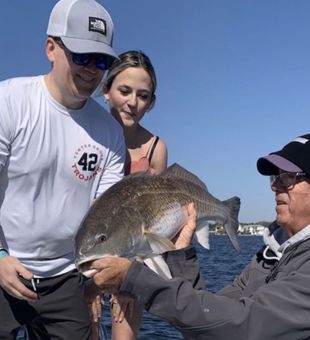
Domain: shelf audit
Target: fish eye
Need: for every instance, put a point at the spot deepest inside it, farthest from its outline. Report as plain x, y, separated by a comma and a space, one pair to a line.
101, 238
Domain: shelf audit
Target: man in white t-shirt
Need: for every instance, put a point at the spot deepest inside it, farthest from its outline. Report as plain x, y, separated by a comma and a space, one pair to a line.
59, 149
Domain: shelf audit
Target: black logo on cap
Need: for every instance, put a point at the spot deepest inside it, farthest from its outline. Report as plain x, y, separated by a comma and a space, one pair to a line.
97, 25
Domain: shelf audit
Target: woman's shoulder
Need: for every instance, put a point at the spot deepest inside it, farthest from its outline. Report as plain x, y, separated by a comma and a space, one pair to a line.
158, 155
161, 145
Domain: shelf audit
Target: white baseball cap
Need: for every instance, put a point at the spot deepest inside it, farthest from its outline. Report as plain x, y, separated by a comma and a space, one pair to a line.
84, 26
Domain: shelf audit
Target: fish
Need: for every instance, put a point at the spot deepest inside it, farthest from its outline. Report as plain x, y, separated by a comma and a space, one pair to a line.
140, 215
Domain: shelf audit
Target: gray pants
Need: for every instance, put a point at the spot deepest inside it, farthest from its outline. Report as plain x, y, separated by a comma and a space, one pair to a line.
60, 312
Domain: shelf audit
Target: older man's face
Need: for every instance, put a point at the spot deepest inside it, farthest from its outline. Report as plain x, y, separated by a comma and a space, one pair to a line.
293, 205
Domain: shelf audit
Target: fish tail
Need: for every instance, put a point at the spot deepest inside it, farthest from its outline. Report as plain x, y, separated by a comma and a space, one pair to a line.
232, 224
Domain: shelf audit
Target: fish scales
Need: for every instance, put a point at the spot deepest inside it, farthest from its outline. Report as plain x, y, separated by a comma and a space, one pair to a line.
154, 199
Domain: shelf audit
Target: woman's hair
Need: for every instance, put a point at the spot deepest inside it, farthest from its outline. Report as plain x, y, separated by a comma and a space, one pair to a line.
127, 59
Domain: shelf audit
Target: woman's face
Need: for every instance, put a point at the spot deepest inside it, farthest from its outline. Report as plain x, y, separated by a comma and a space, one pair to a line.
130, 95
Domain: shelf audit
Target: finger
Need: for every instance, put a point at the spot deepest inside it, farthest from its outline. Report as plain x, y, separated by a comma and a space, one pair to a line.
21, 292
121, 315
191, 208
14, 292
100, 264
98, 306
95, 308
29, 295
191, 219
192, 215
26, 274
93, 311
116, 310
123, 302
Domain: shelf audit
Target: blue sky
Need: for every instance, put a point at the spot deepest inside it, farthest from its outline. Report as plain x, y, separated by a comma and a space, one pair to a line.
233, 80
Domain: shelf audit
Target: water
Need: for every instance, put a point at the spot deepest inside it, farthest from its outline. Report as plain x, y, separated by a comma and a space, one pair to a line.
219, 266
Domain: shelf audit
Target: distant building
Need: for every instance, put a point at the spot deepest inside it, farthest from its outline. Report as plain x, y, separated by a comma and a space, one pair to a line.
251, 229
244, 229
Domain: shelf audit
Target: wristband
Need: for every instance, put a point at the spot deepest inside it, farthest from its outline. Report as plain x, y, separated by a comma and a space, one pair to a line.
3, 252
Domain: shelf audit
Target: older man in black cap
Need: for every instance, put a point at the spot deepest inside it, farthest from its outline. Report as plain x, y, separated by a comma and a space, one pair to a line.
268, 300
289, 171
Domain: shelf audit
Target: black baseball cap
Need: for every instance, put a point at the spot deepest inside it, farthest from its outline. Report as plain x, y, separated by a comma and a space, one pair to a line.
294, 157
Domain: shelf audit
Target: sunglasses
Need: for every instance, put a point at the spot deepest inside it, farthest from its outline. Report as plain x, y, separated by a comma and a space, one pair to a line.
102, 61
287, 179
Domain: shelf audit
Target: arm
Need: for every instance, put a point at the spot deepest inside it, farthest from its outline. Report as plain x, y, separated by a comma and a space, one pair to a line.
184, 263
196, 312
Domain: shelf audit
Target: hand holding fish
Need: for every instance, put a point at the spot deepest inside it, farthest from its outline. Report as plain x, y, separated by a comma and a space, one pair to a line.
184, 238
110, 273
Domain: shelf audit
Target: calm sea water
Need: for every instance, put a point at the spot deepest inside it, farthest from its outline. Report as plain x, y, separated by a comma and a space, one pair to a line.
219, 266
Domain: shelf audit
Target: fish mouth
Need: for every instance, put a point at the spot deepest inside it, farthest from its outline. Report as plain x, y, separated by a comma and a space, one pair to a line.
84, 265
89, 273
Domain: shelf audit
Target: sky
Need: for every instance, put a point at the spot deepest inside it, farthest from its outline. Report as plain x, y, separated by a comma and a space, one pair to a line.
233, 80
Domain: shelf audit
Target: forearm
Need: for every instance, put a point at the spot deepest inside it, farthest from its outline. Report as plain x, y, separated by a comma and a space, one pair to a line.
184, 263
197, 314
193, 312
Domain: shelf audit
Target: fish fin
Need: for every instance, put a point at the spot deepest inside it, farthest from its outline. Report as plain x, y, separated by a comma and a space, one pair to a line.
158, 265
232, 224
176, 170
202, 233
158, 243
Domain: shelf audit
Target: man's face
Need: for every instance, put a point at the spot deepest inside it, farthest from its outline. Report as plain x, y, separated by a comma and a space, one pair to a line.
72, 84
293, 204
